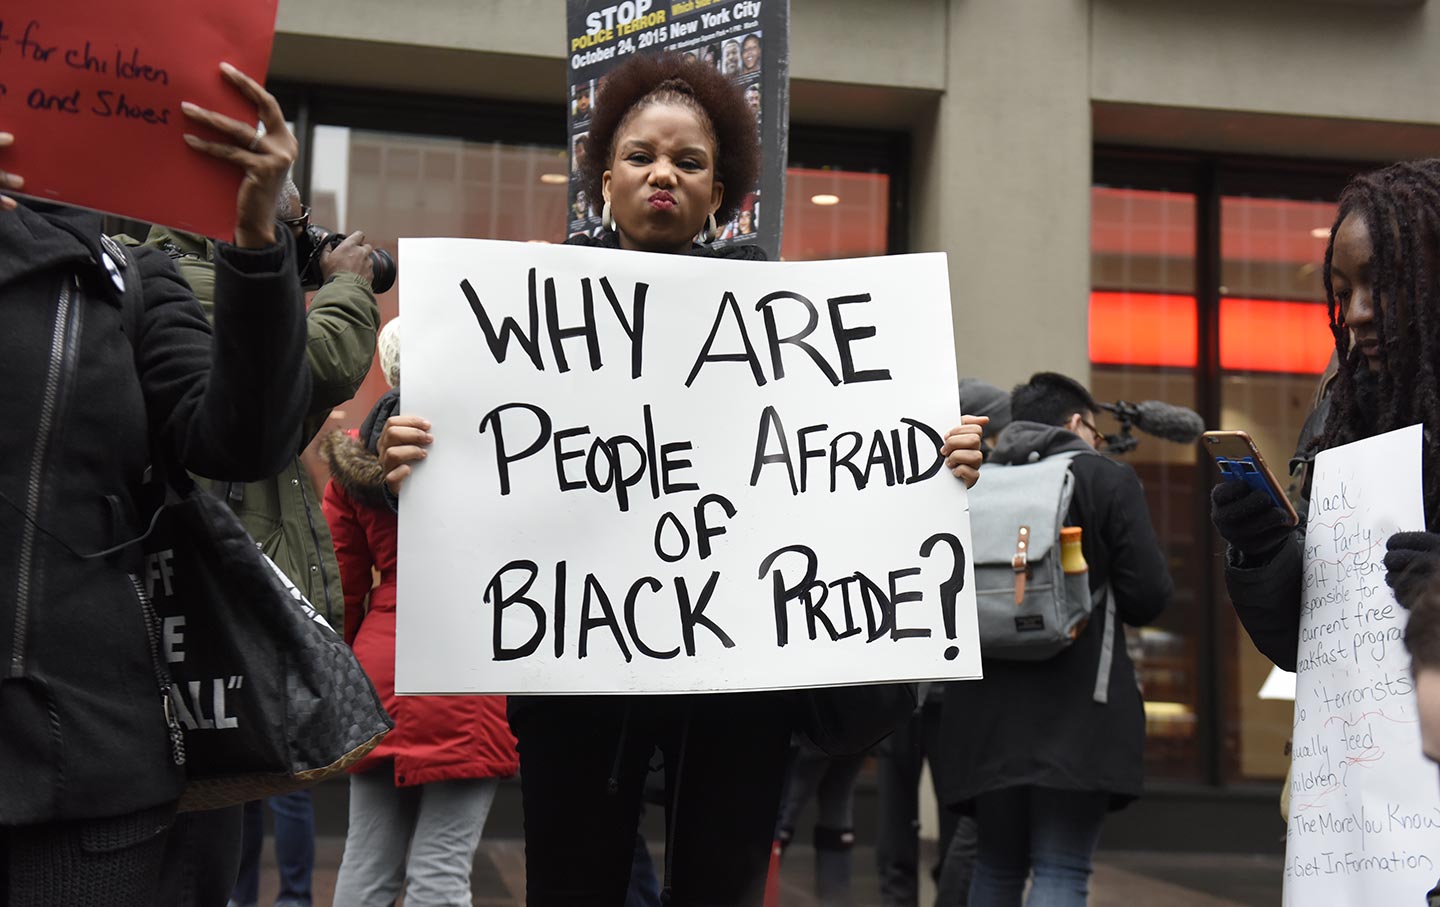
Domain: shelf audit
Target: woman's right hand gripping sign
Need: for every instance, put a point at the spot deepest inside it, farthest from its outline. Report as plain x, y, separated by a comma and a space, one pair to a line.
962, 449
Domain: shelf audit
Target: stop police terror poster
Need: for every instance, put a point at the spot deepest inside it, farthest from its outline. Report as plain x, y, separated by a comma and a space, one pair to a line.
665, 474
746, 40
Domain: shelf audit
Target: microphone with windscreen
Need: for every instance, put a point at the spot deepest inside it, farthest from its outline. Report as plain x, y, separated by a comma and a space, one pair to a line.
1161, 420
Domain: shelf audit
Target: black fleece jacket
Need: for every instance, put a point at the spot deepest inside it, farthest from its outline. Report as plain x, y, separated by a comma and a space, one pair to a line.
86, 409
1036, 722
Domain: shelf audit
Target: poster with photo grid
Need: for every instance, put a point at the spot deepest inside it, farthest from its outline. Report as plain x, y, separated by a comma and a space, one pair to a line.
747, 40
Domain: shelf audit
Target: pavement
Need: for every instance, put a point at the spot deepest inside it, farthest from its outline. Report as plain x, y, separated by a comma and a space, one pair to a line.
1122, 878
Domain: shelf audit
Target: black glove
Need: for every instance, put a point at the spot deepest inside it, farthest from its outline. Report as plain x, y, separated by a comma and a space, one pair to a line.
1247, 519
1412, 563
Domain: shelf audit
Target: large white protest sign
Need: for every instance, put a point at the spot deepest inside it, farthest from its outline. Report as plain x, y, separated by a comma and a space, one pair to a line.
1364, 807
667, 473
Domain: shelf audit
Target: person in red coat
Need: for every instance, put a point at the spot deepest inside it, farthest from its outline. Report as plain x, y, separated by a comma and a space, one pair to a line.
419, 800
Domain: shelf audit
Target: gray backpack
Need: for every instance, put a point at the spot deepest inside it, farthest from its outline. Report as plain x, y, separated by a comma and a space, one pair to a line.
1030, 609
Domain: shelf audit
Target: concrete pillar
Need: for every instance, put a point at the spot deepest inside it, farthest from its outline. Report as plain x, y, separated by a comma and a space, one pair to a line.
1002, 183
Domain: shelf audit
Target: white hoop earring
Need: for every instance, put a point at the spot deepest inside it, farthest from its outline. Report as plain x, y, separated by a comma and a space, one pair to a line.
712, 230
607, 220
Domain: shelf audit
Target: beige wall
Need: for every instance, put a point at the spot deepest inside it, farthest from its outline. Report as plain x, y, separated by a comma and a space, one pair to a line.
1376, 63
1004, 100
455, 45
1003, 186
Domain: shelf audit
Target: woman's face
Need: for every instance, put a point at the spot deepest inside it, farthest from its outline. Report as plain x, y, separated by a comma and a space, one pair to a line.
661, 183
1350, 277
751, 54
747, 222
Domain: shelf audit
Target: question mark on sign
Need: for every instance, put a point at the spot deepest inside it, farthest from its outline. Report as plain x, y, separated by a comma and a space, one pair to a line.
951, 587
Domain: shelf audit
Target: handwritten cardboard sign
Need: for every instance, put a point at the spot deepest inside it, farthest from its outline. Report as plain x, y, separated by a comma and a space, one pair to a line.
92, 93
662, 473
1364, 824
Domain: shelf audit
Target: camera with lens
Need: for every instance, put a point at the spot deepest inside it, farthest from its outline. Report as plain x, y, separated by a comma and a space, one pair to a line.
313, 243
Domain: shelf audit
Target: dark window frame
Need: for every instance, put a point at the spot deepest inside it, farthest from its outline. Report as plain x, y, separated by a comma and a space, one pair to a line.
1210, 178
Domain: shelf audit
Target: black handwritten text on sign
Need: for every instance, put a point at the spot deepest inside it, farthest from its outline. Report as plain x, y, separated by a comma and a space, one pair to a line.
43, 66
682, 473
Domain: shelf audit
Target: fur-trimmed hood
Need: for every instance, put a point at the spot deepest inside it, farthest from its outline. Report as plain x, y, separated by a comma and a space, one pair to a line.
354, 468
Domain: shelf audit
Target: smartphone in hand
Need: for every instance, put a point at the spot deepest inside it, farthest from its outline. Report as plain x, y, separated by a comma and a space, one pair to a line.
1239, 460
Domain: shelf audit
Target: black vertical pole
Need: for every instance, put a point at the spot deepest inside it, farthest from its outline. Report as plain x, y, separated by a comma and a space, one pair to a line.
305, 135
1212, 686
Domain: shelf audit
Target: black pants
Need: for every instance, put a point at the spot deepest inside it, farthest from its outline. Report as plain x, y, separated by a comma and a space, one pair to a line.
583, 762
202, 856
111, 862
897, 778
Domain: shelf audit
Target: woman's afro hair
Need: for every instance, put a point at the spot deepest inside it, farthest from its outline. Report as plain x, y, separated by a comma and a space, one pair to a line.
669, 78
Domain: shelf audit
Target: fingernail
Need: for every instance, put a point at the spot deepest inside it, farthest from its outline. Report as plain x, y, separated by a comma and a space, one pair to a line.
188, 107
190, 139
7, 137
15, 181
227, 67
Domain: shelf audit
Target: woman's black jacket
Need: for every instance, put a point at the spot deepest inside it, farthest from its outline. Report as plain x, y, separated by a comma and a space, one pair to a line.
86, 410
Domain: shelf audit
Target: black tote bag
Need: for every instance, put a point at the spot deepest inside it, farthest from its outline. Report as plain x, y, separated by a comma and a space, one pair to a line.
265, 697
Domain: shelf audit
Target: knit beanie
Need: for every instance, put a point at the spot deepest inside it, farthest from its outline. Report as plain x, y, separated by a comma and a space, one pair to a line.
981, 398
389, 343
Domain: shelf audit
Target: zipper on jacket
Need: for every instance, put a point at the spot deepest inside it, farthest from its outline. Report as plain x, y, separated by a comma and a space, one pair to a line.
57, 373
162, 675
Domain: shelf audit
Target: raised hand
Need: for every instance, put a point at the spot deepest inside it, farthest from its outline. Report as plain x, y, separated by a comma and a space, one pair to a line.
265, 153
12, 181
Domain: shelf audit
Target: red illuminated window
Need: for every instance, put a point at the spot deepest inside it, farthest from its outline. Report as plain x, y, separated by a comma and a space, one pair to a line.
1256, 335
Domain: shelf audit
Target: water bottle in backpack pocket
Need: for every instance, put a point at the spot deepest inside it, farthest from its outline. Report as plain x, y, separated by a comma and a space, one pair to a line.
1032, 585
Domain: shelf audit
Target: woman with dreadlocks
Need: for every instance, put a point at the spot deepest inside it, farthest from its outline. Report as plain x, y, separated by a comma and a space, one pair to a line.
1382, 284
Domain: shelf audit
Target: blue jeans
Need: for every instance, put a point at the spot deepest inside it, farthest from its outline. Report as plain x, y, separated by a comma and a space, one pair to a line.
644, 890
294, 850
1050, 833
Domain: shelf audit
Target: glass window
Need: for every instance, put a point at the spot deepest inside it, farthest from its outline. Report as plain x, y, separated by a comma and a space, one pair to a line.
392, 185
1148, 340
1274, 342
835, 214
1143, 346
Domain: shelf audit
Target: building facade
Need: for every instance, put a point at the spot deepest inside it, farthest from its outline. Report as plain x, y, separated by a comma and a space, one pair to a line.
1137, 192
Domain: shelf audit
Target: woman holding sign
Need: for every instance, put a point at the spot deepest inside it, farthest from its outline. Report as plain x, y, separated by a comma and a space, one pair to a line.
89, 772
667, 138
1382, 283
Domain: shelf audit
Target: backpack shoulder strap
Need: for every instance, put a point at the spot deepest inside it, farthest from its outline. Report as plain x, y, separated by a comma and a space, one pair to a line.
1107, 646
1106, 595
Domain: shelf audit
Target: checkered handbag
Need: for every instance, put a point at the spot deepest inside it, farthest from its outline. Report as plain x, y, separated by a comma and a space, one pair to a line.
263, 696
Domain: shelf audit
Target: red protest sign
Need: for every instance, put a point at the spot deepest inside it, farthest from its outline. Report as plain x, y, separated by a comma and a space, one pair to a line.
92, 90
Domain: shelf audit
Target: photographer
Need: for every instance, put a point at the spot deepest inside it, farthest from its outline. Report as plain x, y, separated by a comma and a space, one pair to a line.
283, 515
